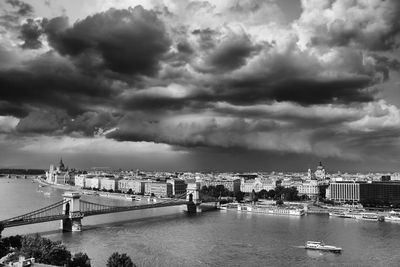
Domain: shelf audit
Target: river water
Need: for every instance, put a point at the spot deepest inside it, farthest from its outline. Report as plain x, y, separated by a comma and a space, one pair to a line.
168, 237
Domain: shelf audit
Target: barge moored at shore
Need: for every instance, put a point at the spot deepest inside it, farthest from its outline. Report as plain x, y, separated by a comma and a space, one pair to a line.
266, 209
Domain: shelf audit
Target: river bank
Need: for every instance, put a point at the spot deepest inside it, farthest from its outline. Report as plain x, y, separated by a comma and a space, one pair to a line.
120, 196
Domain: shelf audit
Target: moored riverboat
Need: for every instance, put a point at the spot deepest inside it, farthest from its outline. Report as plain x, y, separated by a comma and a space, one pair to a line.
369, 216
340, 214
273, 210
393, 217
130, 197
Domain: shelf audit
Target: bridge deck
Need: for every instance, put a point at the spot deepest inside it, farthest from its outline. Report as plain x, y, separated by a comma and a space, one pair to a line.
129, 208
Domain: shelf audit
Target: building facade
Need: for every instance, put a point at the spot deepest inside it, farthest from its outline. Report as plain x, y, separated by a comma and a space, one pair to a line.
309, 188
343, 191
137, 186
365, 192
231, 185
257, 184
380, 192
59, 175
80, 180
161, 189
109, 184
93, 182
178, 186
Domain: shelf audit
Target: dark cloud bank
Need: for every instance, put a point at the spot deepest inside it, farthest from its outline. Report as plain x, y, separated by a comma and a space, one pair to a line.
127, 69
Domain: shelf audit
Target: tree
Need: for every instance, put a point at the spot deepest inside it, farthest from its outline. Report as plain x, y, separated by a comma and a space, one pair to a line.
304, 197
119, 260
13, 241
271, 193
80, 260
279, 202
9, 244
291, 193
1, 228
58, 255
322, 191
253, 196
263, 194
279, 191
239, 196
3, 249
44, 250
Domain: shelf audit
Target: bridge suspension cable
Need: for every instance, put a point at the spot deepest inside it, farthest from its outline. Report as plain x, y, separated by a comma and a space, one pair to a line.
49, 213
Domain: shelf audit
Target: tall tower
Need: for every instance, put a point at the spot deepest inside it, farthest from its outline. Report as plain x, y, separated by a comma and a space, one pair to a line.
61, 165
71, 208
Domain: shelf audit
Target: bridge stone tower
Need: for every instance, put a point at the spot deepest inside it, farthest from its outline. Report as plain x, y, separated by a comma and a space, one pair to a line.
71, 207
193, 196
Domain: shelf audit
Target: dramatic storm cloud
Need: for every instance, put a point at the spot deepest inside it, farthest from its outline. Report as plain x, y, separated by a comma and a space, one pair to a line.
252, 82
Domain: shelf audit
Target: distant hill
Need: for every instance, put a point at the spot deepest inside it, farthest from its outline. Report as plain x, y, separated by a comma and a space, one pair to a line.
22, 171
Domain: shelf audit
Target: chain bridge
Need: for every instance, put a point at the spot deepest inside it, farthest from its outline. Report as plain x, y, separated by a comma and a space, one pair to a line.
71, 210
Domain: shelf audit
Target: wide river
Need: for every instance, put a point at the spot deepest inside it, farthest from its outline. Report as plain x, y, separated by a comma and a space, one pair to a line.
168, 237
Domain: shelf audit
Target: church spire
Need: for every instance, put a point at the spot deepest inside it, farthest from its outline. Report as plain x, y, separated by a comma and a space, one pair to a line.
61, 166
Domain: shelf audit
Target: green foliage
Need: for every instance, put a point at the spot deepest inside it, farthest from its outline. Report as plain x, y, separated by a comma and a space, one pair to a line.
239, 196
253, 196
44, 250
119, 260
80, 260
215, 191
8, 244
3, 249
286, 193
271, 193
279, 202
13, 241
322, 191
304, 197
58, 256
1, 228
264, 194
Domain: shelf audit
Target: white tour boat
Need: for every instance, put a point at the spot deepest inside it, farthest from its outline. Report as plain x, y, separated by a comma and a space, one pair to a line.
316, 245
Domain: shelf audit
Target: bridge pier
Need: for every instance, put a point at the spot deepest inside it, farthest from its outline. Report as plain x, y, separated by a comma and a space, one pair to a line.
193, 190
71, 207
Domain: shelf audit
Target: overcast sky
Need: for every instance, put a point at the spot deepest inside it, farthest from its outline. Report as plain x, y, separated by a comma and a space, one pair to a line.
243, 85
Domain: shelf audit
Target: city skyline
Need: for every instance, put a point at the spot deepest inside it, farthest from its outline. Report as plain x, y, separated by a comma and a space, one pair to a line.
210, 85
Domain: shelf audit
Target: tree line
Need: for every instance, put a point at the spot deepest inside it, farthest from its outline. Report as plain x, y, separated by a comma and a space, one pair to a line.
279, 193
46, 251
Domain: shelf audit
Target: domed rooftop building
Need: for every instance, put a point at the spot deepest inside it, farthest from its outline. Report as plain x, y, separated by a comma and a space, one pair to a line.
320, 172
